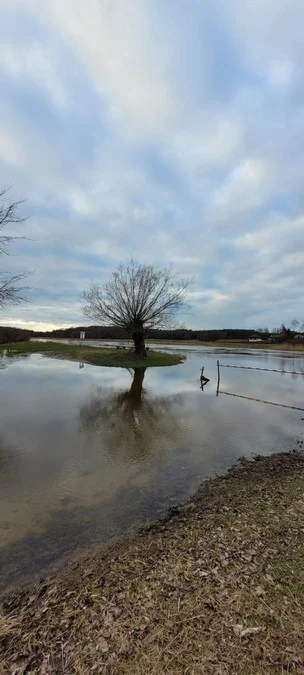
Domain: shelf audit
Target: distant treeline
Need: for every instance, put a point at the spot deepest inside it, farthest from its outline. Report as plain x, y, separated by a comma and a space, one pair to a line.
9, 334
114, 333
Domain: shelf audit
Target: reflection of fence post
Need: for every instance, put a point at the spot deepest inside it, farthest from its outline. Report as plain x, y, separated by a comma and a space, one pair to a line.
218, 378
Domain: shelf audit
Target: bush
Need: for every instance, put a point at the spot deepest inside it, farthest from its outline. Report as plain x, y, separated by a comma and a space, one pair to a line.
8, 334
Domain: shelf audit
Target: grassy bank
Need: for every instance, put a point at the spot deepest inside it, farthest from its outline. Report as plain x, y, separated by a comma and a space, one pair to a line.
96, 356
217, 589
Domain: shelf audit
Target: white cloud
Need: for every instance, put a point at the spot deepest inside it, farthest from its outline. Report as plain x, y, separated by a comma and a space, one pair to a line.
186, 260
276, 230
247, 187
294, 260
267, 34
116, 43
214, 142
11, 151
282, 73
211, 300
35, 63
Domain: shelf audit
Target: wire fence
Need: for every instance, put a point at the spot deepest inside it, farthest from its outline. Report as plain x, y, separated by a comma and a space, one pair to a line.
268, 370
260, 400
251, 398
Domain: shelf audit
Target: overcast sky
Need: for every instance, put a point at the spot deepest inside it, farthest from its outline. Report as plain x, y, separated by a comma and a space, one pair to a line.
169, 130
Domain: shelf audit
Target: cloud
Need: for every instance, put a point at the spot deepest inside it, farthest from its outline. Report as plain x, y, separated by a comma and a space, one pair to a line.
163, 131
247, 187
35, 63
116, 44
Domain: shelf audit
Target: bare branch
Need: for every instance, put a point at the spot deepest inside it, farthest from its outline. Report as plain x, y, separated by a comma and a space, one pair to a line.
10, 290
8, 215
11, 293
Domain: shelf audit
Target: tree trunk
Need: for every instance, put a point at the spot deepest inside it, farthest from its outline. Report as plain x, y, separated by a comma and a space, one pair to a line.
139, 342
136, 389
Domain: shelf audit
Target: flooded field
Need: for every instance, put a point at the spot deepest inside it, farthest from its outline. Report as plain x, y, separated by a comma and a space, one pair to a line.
89, 453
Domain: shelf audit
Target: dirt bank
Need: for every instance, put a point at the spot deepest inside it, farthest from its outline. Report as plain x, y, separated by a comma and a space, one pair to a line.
218, 588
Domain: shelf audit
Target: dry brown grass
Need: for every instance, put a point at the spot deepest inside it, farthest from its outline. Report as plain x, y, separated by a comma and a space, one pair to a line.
216, 589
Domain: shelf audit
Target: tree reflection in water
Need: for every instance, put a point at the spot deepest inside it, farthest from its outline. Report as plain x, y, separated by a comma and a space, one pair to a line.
7, 461
3, 364
130, 423
6, 359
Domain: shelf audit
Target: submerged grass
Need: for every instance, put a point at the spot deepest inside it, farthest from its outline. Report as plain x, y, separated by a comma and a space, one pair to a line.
96, 356
216, 589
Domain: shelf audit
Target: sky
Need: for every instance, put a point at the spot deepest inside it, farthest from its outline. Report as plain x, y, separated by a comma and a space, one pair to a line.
171, 131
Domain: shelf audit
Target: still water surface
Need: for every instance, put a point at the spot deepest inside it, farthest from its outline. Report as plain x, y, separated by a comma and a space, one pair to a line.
88, 453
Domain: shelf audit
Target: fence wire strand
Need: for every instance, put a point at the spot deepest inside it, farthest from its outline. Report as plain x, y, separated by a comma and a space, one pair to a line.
260, 400
269, 370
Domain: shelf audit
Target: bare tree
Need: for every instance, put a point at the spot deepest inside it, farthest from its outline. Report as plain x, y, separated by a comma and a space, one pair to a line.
11, 288
136, 298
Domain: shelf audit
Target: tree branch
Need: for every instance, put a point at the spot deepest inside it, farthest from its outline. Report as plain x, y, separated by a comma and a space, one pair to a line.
137, 297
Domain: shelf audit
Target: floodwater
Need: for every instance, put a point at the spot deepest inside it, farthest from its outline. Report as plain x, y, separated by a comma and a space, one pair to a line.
87, 454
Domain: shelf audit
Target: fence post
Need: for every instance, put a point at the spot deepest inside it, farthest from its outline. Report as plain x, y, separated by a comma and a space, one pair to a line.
218, 378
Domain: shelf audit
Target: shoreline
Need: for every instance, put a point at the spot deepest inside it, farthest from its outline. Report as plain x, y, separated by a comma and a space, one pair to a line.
94, 356
224, 344
222, 551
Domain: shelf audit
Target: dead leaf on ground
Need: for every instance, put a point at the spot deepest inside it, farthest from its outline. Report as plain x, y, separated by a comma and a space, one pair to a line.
241, 632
